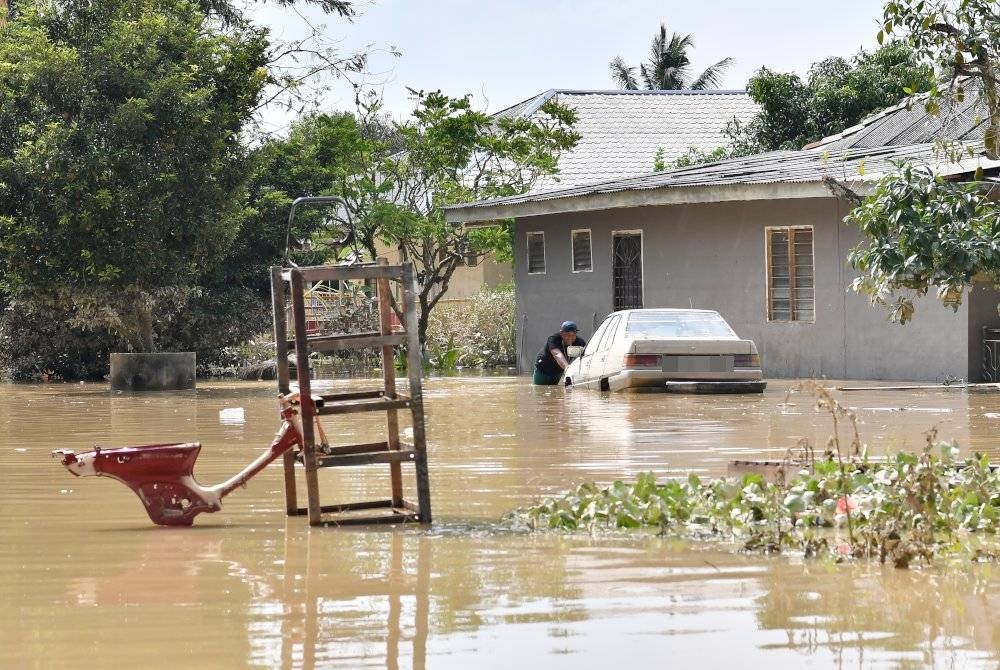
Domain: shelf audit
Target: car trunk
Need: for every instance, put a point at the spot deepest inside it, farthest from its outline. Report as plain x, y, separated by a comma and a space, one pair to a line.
691, 347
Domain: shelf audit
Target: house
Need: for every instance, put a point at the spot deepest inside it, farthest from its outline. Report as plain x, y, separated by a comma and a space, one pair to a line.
620, 135
761, 239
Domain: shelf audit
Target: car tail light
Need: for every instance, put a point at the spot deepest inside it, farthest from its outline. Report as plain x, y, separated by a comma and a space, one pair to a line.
746, 361
641, 361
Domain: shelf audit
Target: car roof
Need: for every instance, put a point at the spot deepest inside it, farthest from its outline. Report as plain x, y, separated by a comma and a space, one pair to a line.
664, 310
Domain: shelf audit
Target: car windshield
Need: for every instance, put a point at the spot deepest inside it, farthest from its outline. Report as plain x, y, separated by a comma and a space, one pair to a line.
677, 325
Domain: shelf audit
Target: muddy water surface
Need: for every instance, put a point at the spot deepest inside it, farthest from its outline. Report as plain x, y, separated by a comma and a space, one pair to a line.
86, 581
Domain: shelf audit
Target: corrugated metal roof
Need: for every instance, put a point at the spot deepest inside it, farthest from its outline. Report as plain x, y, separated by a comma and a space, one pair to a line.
852, 165
909, 123
621, 131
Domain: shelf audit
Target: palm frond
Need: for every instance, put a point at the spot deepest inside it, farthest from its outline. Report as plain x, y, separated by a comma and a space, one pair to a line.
623, 75
712, 76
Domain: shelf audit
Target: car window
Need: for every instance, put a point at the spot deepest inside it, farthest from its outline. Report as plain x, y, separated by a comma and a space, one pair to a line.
595, 341
609, 334
677, 324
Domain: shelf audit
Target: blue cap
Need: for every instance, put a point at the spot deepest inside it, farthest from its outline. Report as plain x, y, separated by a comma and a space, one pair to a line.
568, 326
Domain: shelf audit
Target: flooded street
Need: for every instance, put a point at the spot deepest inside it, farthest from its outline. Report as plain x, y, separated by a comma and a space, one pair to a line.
87, 581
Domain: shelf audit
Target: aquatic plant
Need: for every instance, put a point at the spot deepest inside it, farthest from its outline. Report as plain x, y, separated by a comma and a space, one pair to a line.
897, 509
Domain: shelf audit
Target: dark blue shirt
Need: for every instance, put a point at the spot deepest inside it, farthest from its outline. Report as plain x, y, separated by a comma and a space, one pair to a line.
546, 363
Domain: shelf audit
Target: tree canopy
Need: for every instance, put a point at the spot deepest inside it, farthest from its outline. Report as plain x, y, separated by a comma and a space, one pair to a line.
120, 153
394, 178
668, 67
837, 94
924, 233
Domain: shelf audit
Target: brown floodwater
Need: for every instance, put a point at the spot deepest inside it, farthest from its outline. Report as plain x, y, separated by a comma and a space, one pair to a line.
87, 581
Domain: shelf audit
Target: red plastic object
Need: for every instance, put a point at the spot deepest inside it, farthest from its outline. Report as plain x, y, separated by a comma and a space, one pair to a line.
162, 475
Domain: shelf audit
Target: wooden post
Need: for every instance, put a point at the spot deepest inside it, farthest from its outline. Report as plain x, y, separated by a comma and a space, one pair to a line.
389, 379
415, 366
306, 408
281, 358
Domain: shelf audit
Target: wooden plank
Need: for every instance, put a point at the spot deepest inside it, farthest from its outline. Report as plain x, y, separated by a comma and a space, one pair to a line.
371, 458
389, 382
354, 395
382, 405
347, 507
373, 520
348, 449
326, 343
315, 273
415, 369
307, 409
278, 316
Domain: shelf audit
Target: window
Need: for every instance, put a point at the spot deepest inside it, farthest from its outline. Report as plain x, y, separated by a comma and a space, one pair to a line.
536, 253
582, 259
790, 291
609, 335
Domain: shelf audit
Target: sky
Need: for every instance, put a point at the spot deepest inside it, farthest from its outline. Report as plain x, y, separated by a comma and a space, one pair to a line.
506, 51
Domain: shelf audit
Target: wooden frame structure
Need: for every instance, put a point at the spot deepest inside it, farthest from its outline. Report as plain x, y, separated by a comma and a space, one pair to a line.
392, 450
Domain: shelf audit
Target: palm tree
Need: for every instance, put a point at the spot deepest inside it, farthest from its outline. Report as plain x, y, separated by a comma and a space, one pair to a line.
668, 67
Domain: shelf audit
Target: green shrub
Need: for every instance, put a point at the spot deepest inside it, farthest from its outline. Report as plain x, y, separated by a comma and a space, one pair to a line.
473, 333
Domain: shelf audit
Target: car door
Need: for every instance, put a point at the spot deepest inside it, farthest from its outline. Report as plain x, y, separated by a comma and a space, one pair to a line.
598, 366
582, 375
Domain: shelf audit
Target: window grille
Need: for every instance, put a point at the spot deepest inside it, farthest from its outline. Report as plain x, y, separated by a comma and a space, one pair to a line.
627, 275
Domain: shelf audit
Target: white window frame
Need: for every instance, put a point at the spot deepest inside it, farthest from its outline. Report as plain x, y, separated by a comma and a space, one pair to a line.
767, 276
527, 250
572, 250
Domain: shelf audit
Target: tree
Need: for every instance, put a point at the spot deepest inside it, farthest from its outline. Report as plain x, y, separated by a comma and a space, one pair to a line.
837, 94
923, 232
394, 182
121, 165
668, 67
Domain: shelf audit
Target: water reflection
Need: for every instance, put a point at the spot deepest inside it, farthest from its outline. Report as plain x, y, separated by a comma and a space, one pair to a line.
87, 581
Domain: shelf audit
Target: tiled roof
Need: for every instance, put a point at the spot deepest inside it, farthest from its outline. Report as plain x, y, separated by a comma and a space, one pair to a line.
776, 167
622, 130
909, 123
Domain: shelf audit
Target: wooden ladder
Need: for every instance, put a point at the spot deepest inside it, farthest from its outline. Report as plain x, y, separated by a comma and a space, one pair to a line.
392, 451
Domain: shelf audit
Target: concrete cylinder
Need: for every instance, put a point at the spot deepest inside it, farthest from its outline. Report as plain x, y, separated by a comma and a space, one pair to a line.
172, 371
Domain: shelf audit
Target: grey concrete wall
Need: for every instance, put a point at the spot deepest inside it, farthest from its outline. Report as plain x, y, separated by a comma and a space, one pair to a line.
712, 256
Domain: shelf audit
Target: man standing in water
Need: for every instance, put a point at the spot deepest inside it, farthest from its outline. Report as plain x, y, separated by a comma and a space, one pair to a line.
552, 360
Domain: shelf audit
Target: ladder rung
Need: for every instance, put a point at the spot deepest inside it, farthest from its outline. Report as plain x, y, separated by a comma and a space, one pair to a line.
348, 507
334, 272
349, 449
353, 395
399, 517
350, 407
368, 458
354, 341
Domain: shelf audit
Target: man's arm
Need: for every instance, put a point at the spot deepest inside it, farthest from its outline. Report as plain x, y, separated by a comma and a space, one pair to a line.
560, 358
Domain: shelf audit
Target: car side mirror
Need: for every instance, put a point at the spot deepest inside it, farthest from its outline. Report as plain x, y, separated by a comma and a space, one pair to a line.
574, 352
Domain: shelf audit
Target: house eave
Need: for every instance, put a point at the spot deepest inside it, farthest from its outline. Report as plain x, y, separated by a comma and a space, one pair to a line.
488, 214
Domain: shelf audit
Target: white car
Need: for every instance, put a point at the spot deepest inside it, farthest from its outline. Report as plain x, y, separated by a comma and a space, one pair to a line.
680, 350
